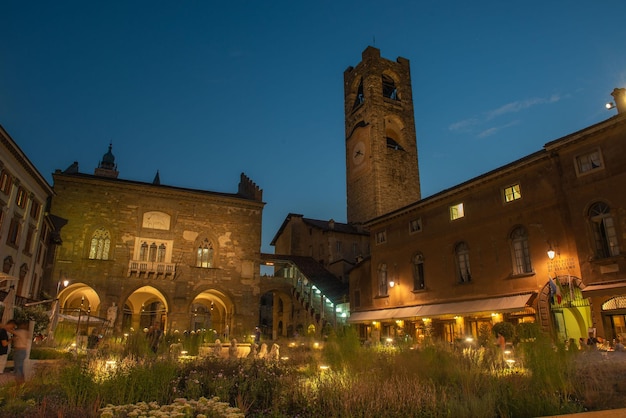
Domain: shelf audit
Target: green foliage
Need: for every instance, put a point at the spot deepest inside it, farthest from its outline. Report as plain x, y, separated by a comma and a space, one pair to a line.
342, 350
484, 335
35, 313
527, 331
506, 329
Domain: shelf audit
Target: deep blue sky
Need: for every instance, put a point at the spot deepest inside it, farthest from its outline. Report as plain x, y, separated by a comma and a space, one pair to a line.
204, 90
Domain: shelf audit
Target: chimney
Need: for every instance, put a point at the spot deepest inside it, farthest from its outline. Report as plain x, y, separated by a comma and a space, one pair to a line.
620, 99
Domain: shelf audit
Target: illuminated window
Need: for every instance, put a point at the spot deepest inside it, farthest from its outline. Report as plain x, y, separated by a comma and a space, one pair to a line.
5, 182
21, 197
521, 254
205, 255
100, 245
463, 263
512, 193
456, 211
603, 226
588, 162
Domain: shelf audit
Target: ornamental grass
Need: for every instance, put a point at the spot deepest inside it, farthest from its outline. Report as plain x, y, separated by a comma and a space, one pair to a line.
343, 378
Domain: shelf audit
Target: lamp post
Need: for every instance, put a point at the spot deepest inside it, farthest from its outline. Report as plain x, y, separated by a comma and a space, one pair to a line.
64, 282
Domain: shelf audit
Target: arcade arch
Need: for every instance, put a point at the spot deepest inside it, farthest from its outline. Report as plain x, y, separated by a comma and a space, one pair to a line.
145, 307
79, 296
212, 310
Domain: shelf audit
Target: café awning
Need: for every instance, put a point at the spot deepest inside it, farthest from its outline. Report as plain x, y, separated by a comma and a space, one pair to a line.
490, 305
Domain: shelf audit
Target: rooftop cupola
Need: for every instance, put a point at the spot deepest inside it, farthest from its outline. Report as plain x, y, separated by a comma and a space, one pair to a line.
107, 167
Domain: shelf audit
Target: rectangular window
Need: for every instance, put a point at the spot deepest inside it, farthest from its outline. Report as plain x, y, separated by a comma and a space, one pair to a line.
338, 247
381, 237
5, 182
512, 193
355, 249
21, 197
415, 225
383, 285
357, 299
29, 240
589, 162
456, 211
14, 232
39, 251
35, 208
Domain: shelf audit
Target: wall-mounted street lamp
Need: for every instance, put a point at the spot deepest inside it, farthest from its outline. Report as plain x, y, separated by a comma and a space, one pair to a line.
551, 253
64, 283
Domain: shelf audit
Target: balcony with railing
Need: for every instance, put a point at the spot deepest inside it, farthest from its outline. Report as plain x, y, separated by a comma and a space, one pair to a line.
151, 269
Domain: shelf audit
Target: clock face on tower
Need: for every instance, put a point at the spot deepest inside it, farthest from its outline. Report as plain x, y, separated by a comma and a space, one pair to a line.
358, 153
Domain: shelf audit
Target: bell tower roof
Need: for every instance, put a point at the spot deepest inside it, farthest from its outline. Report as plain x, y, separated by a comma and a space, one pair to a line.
107, 167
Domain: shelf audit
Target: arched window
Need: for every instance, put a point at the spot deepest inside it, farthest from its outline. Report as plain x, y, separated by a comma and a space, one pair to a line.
389, 88
603, 226
161, 253
152, 253
358, 101
100, 245
418, 272
382, 280
463, 263
143, 251
393, 144
205, 255
519, 249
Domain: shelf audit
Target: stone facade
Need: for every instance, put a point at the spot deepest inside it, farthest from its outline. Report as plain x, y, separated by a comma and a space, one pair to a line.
141, 254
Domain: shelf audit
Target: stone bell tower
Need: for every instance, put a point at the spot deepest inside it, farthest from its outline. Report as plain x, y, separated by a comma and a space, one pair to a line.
382, 171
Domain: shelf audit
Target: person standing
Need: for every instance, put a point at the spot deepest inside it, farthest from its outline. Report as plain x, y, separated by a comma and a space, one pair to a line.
4, 343
257, 336
20, 348
501, 341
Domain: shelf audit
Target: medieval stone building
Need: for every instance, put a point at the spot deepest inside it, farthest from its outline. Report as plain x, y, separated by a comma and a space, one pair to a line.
141, 254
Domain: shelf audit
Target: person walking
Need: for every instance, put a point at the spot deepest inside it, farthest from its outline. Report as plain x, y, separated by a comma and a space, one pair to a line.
19, 348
